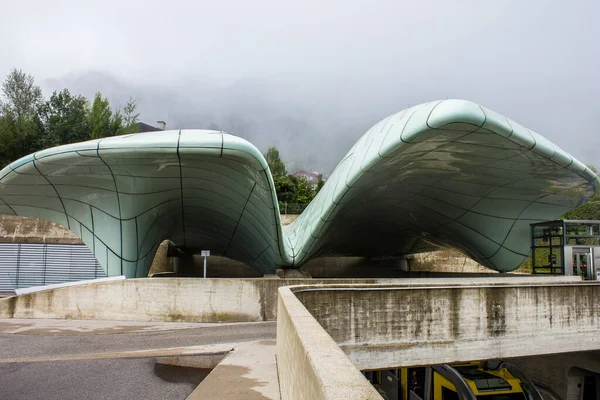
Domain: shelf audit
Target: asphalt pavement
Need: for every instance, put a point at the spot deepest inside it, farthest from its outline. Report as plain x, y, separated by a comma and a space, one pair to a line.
113, 378
15, 346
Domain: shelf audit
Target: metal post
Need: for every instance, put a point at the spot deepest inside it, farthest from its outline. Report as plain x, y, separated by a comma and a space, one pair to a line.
205, 253
428, 386
45, 267
18, 264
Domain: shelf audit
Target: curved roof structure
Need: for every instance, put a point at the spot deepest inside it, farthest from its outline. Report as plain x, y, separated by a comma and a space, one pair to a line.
446, 173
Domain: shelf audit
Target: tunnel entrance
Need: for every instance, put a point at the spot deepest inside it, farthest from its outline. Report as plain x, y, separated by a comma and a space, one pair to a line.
584, 384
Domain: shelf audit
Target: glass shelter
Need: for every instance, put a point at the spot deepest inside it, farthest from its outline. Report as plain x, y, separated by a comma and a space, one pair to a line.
566, 247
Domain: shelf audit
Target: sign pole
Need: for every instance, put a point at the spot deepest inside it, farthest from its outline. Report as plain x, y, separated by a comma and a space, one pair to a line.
205, 253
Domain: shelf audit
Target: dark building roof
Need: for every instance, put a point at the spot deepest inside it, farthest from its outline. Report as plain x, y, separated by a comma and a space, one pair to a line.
142, 127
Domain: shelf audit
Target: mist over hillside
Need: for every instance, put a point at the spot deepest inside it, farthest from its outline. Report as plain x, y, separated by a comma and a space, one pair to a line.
315, 120
308, 137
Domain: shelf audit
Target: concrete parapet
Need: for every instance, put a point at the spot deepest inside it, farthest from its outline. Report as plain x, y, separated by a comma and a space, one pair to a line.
327, 333
207, 360
190, 299
309, 362
160, 299
389, 326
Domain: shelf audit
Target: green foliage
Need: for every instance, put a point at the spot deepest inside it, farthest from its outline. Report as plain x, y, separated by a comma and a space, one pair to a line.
320, 183
100, 117
304, 190
130, 118
103, 122
115, 125
292, 192
21, 96
65, 119
589, 210
20, 124
286, 189
276, 166
29, 123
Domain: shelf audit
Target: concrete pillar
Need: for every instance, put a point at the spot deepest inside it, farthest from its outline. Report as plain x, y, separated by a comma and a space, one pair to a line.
574, 387
162, 262
402, 264
285, 273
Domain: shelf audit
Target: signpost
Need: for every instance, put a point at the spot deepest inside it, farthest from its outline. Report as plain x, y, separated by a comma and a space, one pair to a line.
205, 253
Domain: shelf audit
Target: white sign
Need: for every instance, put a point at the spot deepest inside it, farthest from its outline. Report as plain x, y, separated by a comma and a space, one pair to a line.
205, 253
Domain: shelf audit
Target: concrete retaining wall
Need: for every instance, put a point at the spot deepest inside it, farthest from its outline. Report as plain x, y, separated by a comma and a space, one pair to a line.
310, 364
15, 229
190, 299
445, 261
159, 299
393, 326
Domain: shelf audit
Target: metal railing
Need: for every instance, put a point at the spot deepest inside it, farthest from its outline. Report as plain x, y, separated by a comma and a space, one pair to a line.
292, 208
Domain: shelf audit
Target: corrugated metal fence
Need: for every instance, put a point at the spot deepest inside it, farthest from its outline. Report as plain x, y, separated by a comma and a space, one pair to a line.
26, 265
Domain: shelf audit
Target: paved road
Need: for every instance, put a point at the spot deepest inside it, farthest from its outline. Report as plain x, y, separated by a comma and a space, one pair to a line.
109, 378
14, 346
97, 379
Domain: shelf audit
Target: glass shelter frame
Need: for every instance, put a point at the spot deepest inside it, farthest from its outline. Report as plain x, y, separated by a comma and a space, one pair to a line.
566, 247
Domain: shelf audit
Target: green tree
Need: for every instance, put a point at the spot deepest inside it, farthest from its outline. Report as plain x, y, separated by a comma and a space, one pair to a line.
305, 192
130, 118
320, 183
589, 210
20, 124
276, 166
100, 116
115, 125
285, 188
103, 122
65, 119
21, 96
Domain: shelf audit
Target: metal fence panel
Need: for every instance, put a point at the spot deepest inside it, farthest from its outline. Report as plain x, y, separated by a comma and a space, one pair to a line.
26, 265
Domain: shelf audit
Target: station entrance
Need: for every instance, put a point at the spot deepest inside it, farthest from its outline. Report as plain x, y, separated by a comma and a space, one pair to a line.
566, 247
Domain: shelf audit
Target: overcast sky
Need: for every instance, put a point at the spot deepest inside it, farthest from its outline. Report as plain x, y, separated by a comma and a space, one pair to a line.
534, 61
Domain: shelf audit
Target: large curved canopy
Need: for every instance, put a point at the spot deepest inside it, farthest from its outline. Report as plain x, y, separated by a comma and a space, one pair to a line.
446, 173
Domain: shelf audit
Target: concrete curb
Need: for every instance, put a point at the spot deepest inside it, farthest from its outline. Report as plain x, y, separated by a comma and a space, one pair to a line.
215, 349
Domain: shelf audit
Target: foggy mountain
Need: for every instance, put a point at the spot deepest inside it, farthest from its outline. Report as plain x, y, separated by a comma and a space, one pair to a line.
314, 122
258, 111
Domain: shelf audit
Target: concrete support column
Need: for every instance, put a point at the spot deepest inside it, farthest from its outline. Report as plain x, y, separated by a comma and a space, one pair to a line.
162, 263
402, 264
292, 273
